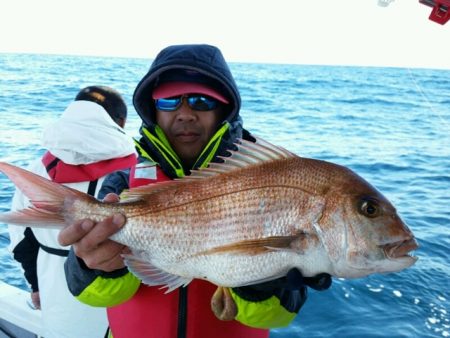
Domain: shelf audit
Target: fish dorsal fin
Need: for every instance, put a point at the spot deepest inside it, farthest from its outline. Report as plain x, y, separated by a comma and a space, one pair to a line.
263, 150
247, 154
151, 275
142, 191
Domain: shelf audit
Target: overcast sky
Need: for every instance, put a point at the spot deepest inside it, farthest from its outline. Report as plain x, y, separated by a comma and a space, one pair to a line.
346, 32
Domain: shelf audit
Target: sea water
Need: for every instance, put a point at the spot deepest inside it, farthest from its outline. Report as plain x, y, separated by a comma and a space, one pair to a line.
390, 125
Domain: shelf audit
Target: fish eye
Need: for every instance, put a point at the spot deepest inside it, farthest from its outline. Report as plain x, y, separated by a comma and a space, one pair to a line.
369, 207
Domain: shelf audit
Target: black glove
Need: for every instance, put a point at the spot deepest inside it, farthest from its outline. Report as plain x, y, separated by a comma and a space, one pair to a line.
291, 289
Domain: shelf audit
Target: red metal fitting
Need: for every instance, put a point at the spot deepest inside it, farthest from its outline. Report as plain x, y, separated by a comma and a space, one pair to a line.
440, 12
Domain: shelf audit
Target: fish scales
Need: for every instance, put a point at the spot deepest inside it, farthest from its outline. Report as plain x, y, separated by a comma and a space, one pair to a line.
265, 208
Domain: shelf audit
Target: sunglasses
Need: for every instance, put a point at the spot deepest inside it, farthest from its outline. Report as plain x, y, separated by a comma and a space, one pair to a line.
195, 101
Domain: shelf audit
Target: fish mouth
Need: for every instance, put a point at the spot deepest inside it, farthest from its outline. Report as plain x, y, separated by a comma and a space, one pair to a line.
400, 249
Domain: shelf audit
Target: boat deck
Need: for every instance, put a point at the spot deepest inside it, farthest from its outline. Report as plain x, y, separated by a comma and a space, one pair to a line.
17, 318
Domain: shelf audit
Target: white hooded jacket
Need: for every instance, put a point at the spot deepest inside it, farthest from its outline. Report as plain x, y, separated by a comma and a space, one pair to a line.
84, 134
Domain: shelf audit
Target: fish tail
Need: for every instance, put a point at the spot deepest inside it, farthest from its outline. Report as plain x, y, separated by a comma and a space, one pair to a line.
48, 199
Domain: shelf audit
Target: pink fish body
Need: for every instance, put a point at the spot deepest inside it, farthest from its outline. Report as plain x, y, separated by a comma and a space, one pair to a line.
245, 221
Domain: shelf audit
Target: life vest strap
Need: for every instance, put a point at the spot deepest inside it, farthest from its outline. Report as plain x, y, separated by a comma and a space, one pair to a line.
54, 251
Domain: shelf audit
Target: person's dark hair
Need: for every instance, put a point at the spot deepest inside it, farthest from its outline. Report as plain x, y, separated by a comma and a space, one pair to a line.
108, 98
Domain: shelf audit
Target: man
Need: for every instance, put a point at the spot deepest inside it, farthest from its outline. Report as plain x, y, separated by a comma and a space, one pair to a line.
83, 145
189, 104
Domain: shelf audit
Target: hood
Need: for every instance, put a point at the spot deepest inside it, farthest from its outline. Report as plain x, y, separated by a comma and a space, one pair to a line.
85, 134
204, 59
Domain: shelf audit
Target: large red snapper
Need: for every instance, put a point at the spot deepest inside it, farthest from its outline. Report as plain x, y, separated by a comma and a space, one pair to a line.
248, 220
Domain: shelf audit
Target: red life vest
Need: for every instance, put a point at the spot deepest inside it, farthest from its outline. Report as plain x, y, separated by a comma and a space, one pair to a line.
61, 172
151, 313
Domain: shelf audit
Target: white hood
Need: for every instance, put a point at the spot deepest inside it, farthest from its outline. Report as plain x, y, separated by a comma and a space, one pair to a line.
84, 134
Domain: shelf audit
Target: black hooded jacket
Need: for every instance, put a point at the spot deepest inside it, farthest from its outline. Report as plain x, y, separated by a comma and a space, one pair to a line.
208, 61
204, 59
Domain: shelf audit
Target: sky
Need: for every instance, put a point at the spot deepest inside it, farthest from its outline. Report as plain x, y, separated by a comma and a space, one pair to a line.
337, 32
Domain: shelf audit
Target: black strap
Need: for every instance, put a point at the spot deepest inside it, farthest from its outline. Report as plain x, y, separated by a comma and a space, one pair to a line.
182, 311
52, 164
53, 251
92, 187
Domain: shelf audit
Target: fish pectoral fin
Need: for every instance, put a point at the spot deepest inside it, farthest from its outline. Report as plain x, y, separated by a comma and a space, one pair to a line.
255, 246
153, 276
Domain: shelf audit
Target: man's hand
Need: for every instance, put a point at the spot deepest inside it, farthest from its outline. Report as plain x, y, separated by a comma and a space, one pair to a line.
91, 241
36, 300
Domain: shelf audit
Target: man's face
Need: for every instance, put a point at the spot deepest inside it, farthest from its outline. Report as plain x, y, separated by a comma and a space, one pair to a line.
189, 130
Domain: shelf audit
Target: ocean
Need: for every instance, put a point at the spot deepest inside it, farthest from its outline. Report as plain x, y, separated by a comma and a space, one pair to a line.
390, 125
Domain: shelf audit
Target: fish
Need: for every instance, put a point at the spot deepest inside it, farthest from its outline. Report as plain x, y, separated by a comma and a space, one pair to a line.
248, 220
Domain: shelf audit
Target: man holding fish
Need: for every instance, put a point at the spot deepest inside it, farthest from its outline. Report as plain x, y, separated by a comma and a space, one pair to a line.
254, 225
189, 104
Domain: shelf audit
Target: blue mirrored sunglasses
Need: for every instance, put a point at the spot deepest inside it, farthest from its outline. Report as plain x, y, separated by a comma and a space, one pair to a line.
195, 101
